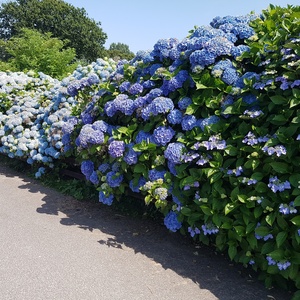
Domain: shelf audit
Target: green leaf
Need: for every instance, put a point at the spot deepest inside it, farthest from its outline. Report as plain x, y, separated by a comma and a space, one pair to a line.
242, 198
297, 201
186, 211
257, 175
296, 220
232, 252
215, 177
206, 210
280, 238
278, 99
140, 168
240, 230
231, 150
280, 167
194, 217
123, 130
295, 180
229, 208
262, 230
282, 223
200, 86
261, 187
277, 254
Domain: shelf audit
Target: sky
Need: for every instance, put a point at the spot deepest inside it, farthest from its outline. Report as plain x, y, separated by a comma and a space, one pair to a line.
140, 24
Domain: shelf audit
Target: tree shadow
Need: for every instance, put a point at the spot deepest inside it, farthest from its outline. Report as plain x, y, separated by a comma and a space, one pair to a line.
201, 264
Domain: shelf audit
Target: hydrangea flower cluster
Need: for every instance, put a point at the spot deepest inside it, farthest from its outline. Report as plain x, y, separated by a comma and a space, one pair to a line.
171, 221
277, 186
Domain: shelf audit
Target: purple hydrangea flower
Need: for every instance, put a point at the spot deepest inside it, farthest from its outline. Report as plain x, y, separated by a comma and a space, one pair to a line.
116, 149
287, 209
271, 261
277, 186
209, 229
278, 150
193, 231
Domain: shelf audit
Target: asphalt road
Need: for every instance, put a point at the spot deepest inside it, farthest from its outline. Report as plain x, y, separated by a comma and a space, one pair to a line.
54, 247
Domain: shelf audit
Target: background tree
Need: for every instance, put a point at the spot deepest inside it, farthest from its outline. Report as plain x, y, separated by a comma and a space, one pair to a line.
63, 20
32, 50
119, 51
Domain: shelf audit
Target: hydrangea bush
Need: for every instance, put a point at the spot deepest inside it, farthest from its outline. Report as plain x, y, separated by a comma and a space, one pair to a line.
34, 106
206, 128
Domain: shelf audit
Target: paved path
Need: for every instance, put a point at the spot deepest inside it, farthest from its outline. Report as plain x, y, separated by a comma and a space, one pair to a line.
54, 247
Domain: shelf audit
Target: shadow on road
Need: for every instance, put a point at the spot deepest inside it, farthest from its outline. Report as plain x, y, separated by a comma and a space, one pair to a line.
201, 264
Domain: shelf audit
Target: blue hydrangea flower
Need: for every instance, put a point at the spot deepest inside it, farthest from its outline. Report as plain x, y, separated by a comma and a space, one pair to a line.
114, 179
159, 105
87, 168
278, 150
174, 117
131, 157
283, 265
144, 136
209, 121
108, 200
193, 231
116, 149
209, 229
155, 174
174, 152
124, 86
100, 125
94, 178
171, 221
230, 76
202, 58
287, 209
163, 135
136, 188
184, 103
103, 168
188, 122
135, 89
88, 135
